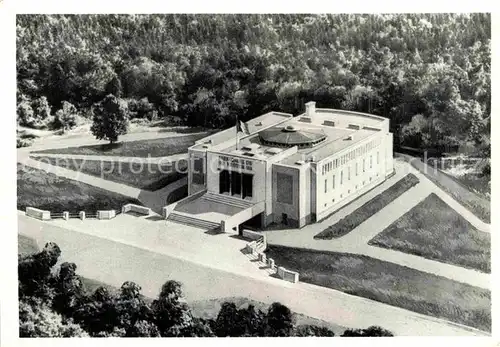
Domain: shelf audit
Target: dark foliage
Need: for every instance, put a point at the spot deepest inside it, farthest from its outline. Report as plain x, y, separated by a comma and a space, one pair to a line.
428, 73
368, 332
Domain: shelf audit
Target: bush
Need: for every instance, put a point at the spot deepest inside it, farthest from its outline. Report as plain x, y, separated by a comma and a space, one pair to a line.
24, 142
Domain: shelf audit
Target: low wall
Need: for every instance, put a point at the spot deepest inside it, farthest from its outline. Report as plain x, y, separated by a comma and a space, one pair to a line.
135, 208
253, 235
37, 213
287, 275
106, 214
166, 210
250, 247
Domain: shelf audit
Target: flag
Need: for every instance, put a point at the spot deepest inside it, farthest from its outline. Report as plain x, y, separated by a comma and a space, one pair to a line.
243, 127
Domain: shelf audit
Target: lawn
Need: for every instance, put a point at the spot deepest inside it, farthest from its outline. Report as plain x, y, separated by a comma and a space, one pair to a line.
154, 148
40, 189
435, 231
144, 176
390, 283
348, 223
478, 205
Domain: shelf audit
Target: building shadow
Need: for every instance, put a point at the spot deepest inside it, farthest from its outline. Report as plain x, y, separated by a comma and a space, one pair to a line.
215, 231
239, 237
155, 218
135, 214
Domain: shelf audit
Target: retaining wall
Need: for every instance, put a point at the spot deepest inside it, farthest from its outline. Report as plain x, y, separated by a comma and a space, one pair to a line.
287, 275
253, 235
136, 208
37, 213
106, 214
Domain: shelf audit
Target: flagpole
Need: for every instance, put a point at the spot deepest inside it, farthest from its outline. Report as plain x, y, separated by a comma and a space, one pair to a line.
237, 125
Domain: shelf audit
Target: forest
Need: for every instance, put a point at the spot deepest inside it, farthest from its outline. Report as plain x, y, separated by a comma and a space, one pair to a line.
428, 73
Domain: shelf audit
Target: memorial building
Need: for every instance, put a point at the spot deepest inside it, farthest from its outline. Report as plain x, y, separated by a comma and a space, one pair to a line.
278, 168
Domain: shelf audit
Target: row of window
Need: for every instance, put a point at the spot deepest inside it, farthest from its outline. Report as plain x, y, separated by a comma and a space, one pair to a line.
349, 172
355, 153
349, 191
235, 163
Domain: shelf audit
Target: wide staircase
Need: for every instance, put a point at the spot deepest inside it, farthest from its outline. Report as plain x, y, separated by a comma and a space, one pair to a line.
183, 218
226, 199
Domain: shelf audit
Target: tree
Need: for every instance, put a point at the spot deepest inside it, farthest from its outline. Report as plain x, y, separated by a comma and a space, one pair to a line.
41, 111
279, 320
38, 320
114, 87
312, 330
368, 332
34, 273
98, 313
110, 119
227, 322
25, 113
68, 290
65, 118
172, 314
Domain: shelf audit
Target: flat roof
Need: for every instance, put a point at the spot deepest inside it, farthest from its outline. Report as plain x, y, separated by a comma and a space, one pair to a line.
218, 140
343, 129
331, 146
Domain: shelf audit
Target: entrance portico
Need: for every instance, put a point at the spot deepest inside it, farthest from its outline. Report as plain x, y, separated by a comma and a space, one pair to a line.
237, 184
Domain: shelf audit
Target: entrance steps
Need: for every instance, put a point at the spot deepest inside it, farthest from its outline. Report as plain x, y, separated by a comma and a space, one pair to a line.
226, 199
182, 218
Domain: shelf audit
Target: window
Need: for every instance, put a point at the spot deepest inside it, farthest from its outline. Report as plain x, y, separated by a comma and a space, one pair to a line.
333, 182
284, 188
349, 173
363, 165
341, 176
378, 157
326, 185
371, 161
356, 169
198, 176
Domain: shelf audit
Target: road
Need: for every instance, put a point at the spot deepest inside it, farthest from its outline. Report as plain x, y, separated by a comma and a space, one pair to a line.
113, 263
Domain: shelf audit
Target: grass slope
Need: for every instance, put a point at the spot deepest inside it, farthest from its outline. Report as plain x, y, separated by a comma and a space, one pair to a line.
476, 204
390, 283
144, 176
435, 231
348, 223
154, 148
40, 189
